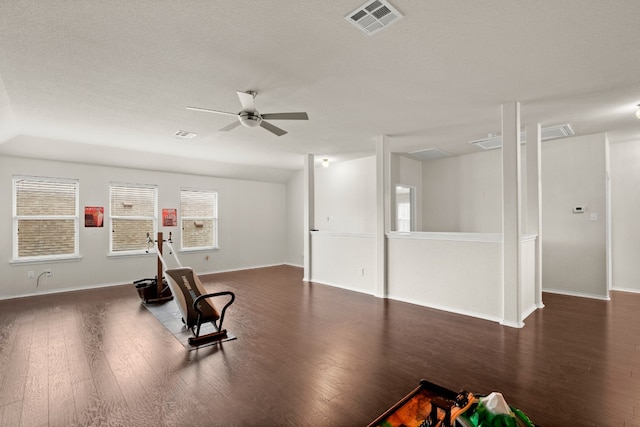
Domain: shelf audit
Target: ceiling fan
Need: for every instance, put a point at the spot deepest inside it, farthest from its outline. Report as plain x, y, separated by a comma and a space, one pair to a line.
250, 117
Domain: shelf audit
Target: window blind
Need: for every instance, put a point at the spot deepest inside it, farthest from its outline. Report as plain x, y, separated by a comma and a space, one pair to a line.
45, 217
133, 214
199, 211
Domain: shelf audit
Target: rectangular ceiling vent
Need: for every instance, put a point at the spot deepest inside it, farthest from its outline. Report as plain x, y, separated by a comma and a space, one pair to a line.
559, 131
428, 154
551, 132
373, 16
185, 134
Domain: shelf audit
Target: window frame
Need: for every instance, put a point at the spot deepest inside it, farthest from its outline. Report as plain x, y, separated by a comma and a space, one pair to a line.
16, 258
148, 250
214, 219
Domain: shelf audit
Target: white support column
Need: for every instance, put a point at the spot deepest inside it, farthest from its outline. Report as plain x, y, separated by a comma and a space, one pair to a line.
309, 209
534, 200
511, 215
383, 208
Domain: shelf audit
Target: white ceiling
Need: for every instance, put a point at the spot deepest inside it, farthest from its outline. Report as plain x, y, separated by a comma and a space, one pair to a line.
107, 82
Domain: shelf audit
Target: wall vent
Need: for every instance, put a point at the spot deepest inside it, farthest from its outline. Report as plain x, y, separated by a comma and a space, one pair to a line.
373, 16
428, 154
184, 134
550, 132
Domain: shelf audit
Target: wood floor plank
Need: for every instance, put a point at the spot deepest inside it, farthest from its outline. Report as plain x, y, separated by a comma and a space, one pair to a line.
17, 363
10, 413
35, 405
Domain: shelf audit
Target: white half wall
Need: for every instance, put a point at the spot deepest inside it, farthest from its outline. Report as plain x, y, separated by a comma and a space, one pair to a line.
252, 218
457, 272
344, 260
448, 273
625, 206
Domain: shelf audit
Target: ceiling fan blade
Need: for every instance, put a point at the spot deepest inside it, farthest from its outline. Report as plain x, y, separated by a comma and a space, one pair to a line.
285, 116
273, 129
230, 126
246, 99
206, 110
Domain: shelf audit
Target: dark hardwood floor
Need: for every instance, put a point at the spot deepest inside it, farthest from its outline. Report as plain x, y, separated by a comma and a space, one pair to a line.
308, 355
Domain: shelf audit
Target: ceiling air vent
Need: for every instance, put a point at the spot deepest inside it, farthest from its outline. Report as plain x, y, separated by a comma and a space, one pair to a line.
559, 131
184, 134
428, 154
373, 16
551, 132
491, 142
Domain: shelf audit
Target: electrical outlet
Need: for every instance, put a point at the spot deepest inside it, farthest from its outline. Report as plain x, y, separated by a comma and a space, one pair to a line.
47, 273
31, 274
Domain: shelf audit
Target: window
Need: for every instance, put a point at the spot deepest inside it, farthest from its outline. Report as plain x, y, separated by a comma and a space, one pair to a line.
199, 216
133, 215
45, 218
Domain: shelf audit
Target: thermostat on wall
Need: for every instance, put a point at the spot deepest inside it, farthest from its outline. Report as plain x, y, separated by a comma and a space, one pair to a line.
578, 209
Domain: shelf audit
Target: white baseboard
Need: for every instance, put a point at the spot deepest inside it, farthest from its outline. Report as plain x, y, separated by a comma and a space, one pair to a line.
512, 324
230, 270
62, 290
576, 294
340, 286
631, 290
528, 312
293, 265
449, 309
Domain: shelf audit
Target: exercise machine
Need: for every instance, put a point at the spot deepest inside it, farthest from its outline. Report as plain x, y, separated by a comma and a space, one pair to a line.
195, 303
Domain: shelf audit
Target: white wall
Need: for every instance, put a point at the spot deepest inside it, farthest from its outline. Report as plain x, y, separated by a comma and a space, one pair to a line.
463, 193
252, 218
295, 220
345, 196
574, 246
453, 275
344, 260
625, 206
343, 251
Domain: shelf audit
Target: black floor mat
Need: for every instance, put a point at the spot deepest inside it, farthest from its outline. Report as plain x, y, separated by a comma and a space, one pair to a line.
169, 315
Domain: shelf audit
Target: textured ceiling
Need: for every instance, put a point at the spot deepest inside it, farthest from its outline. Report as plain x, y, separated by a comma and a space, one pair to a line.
107, 82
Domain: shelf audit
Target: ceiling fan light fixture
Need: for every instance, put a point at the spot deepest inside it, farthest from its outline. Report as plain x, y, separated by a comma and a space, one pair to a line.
249, 119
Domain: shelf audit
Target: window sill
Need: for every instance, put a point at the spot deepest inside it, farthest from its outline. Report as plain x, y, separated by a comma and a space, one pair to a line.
48, 260
186, 250
131, 254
